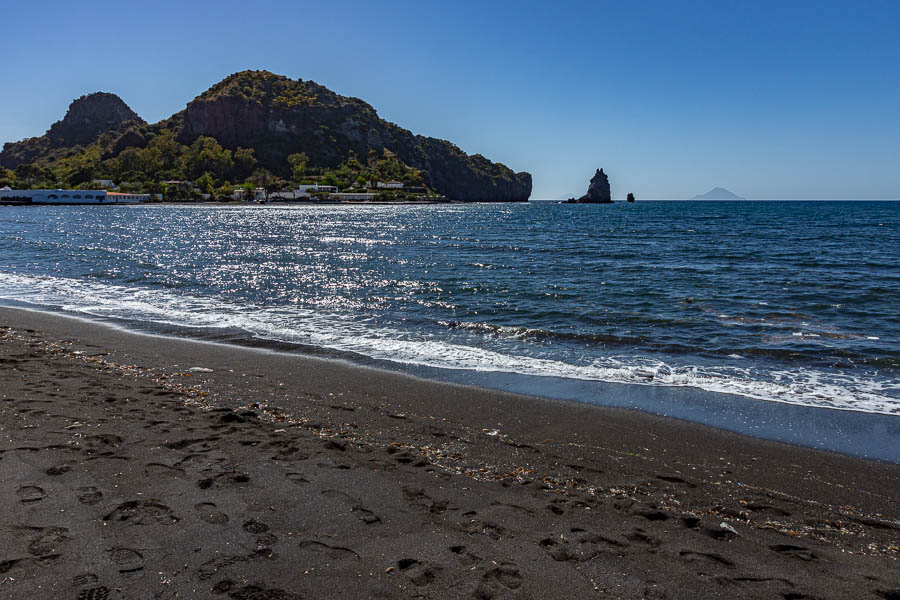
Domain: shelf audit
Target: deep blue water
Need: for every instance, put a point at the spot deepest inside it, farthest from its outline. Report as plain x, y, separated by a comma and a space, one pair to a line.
789, 302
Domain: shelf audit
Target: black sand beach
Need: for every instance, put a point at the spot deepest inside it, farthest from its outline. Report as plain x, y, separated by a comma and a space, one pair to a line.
137, 466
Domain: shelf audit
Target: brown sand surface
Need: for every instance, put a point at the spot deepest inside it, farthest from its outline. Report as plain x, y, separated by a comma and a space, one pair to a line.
126, 474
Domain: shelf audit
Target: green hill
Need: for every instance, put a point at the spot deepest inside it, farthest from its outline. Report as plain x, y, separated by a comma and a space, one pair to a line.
253, 126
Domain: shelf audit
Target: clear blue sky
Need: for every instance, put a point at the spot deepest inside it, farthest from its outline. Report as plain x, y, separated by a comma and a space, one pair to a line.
768, 99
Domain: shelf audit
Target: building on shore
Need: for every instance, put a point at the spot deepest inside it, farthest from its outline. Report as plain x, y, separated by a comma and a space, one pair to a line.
255, 195
104, 183
305, 193
9, 196
390, 185
122, 198
313, 188
353, 197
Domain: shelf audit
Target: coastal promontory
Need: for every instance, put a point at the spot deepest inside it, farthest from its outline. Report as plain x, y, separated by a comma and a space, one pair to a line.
255, 124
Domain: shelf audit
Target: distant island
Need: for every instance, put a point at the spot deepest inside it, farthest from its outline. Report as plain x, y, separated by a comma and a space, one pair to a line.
718, 193
253, 131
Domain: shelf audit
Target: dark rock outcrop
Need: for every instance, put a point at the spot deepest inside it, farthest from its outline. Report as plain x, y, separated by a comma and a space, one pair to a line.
598, 191
277, 116
131, 138
87, 118
630, 197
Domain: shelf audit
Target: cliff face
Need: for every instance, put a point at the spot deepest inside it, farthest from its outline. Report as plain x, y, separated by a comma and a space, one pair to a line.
87, 118
277, 116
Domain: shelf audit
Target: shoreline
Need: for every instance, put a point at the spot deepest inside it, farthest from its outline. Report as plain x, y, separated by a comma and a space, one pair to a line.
306, 477
855, 433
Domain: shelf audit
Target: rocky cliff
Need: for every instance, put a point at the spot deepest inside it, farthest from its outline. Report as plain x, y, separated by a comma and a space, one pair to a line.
598, 190
277, 116
87, 118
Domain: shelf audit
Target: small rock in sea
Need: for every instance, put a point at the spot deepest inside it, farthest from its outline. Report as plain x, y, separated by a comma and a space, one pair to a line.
598, 191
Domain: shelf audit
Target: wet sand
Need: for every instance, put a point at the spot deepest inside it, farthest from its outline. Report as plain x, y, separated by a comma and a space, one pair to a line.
138, 466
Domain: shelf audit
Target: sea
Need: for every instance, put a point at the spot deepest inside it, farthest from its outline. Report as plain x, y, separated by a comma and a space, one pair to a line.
774, 319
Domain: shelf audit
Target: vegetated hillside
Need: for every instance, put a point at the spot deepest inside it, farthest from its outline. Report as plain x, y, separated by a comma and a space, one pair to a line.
87, 118
262, 126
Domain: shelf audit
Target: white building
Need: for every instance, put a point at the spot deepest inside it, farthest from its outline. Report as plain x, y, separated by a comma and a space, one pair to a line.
257, 195
355, 197
8, 196
105, 183
390, 185
120, 198
310, 189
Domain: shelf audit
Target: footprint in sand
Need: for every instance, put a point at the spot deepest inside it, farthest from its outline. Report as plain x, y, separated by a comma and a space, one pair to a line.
208, 513
691, 556
98, 593
466, 559
29, 494
85, 580
558, 551
260, 529
792, 551
127, 560
365, 515
507, 575
253, 526
296, 478
332, 552
58, 469
161, 469
253, 591
419, 573
50, 540
89, 495
227, 479
141, 512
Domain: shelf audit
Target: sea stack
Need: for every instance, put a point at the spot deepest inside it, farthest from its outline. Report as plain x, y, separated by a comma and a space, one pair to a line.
630, 197
598, 191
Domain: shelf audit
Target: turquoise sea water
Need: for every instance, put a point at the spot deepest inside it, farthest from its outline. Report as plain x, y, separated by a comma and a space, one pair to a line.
769, 302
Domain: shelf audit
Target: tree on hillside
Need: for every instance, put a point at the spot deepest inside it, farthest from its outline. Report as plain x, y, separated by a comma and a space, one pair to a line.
206, 155
225, 191
298, 163
244, 163
262, 178
170, 152
33, 176
205, 184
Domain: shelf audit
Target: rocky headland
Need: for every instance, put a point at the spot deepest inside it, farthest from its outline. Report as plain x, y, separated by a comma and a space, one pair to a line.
252, 120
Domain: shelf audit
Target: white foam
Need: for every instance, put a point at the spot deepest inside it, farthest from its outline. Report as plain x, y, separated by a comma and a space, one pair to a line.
351, 332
